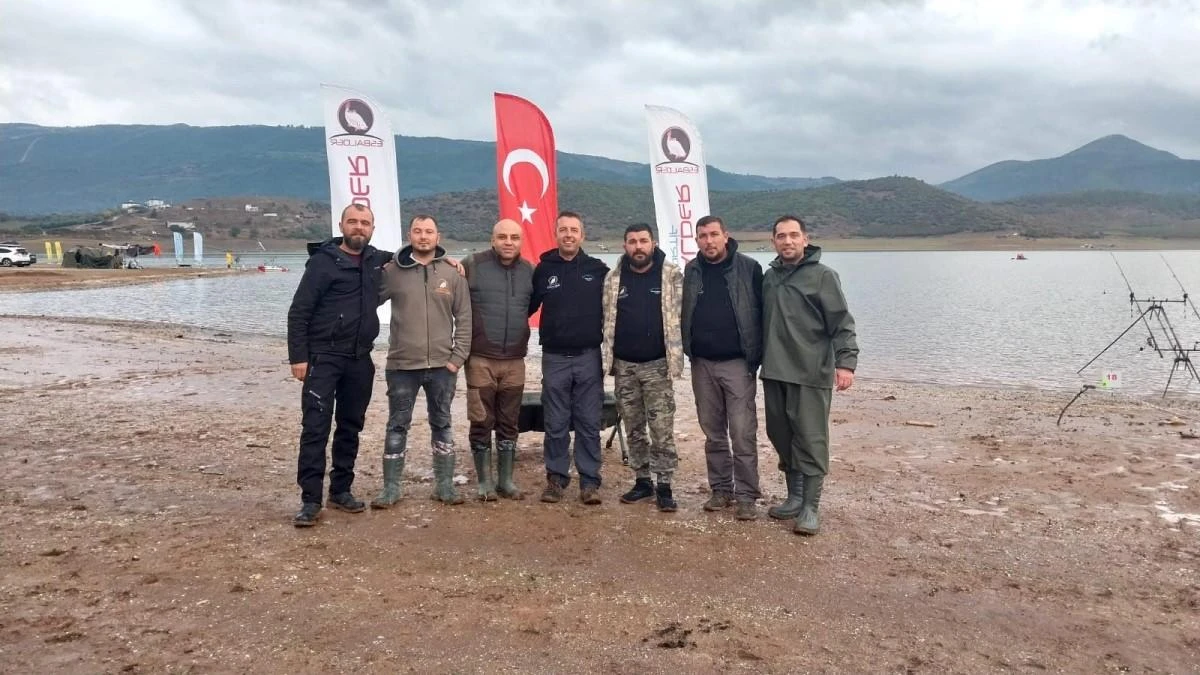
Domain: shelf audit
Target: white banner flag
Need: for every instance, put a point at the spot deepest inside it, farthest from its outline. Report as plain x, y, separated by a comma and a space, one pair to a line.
361, 149
680, 181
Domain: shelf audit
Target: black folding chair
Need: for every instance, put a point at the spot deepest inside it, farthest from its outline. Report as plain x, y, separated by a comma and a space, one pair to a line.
532, 419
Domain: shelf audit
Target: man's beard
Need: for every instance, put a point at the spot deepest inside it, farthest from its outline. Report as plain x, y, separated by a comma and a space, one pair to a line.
355, 242
640, 262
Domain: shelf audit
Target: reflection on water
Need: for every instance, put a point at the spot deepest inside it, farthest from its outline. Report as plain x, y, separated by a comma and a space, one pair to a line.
944, 317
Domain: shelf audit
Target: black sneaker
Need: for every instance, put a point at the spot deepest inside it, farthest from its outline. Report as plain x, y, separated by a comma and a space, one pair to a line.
663, 497
344, 501
307, 515
642, 489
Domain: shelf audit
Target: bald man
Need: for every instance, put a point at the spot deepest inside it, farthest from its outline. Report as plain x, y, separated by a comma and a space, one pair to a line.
501, 284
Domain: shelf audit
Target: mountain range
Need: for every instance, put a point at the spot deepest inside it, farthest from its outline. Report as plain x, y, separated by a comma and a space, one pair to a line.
1113, 185
75, 169
1109, 163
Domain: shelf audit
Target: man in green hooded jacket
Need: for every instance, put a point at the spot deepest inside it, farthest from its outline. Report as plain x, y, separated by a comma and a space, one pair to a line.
809, 347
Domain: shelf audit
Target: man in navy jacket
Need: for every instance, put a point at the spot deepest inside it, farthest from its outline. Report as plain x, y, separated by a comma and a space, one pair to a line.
567, 286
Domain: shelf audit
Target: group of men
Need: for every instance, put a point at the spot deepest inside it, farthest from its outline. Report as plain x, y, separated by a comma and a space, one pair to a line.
635, 322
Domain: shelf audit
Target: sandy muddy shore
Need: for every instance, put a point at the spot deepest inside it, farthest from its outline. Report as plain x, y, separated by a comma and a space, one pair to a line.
149, 486
51, 278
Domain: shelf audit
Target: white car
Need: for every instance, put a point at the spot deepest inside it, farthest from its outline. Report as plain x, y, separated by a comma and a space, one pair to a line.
13, 255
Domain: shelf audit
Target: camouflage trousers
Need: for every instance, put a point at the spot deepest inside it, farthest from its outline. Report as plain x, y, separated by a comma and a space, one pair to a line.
646, 399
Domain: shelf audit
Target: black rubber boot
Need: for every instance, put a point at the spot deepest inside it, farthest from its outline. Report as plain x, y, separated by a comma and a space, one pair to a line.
809, 521
506, 455
483, 472
791, 507
393, 471
443, 476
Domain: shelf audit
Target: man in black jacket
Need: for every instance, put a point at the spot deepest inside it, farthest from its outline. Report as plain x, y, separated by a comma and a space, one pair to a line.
567, 286
722, 335
332, 325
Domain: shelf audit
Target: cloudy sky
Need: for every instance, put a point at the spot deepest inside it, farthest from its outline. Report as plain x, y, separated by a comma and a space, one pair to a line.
848, 89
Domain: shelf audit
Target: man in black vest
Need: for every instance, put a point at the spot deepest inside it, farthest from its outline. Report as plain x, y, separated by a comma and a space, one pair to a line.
331, 327
501, 284
567, 286
722, 335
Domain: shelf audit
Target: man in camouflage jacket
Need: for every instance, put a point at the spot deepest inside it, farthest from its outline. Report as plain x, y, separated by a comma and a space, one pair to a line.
643, 350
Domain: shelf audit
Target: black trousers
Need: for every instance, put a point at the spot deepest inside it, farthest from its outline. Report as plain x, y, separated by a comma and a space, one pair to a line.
335, 388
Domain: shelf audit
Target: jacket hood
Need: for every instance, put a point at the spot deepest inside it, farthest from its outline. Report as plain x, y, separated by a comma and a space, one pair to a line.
731, 249
658, 257
332, 247
812, 255
404, 256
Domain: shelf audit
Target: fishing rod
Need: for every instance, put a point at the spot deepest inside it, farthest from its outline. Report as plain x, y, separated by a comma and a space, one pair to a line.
1174, 276
1157, 322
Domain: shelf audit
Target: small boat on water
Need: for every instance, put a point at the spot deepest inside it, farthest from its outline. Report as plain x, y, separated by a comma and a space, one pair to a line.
1020, 256
271, 268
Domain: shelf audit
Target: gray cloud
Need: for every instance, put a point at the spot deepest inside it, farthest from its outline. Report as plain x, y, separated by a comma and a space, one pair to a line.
854, 90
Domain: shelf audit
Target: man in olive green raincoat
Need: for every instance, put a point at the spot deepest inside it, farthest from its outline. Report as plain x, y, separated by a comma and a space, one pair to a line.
809, 348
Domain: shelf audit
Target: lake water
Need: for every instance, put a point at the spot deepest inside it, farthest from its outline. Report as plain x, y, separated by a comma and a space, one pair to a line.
976, 318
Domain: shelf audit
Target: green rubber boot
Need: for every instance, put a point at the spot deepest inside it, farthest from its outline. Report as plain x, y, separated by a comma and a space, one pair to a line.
791, 507
443, 476
393, 472
483, 472
809, 521
506, 454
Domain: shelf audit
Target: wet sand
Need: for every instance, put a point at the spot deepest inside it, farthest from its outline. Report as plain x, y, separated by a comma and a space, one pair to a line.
53, 277
149, 487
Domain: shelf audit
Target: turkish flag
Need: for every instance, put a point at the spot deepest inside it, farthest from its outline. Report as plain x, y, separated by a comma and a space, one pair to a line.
526, 178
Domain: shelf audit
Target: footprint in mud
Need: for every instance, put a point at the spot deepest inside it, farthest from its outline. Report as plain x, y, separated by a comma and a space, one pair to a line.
675, 636
672, 636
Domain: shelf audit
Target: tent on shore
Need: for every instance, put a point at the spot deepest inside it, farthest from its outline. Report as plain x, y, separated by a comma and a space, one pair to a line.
90, 257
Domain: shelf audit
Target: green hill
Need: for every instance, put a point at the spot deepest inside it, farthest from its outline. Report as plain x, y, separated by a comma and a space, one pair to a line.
883, 207
1109, 212
897, 207
76, 169
1110, 163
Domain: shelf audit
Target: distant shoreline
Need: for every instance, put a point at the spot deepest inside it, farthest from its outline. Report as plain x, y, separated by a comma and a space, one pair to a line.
45, 277
749, 242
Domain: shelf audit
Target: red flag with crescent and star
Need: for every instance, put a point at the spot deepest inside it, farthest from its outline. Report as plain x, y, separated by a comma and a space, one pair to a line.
526, 178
